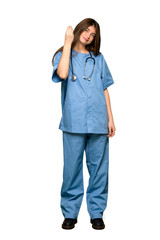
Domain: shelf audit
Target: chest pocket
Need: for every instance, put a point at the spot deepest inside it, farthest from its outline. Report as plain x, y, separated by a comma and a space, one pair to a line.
97, 81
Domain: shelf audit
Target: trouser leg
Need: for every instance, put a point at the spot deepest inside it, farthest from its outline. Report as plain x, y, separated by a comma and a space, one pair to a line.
97, 159
72, 190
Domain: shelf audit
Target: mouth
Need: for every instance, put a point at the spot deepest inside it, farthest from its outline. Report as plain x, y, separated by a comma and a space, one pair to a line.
85, 39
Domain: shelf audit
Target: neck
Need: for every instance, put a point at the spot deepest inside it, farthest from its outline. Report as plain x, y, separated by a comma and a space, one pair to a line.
80, 48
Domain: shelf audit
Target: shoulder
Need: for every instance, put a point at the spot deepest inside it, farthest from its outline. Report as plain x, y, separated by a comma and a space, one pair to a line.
99, 56
56, 58
57, 54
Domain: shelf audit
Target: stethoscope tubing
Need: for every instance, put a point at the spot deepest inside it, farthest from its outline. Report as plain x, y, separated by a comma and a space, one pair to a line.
73, 78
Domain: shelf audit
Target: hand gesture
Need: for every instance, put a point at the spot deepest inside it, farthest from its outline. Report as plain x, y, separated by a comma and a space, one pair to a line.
69, 36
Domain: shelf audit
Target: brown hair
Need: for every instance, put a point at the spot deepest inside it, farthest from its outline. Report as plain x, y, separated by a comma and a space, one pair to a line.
94, 45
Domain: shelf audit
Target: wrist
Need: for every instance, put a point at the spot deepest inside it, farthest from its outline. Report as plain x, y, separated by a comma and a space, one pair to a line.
110, 118
67, 43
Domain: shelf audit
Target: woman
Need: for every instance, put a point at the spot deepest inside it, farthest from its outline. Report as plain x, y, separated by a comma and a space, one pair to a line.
87, 121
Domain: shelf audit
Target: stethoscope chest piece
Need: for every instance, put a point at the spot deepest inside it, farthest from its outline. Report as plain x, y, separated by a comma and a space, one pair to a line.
73, 77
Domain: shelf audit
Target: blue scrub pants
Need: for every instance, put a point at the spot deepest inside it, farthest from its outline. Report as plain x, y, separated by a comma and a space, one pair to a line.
96, 147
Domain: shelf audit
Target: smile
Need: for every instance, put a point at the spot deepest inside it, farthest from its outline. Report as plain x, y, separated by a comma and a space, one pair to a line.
85, 38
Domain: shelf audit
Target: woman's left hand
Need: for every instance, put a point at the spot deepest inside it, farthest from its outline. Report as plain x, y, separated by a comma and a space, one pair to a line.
111, 128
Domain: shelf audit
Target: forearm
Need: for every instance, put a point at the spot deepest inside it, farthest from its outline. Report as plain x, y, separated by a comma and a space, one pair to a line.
63, 66
108, 103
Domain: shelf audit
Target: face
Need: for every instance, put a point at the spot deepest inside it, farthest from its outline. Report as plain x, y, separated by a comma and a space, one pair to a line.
88, 35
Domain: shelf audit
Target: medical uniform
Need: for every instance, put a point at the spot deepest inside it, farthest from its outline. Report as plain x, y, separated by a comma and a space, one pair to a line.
84, 124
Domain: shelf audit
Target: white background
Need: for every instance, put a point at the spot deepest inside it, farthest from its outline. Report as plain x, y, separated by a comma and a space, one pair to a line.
31, 150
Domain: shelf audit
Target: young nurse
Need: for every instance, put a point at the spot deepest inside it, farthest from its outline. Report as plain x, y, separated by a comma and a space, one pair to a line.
87, 121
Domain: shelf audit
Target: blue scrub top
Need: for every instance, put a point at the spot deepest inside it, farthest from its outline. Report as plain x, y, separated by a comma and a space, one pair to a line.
84, 108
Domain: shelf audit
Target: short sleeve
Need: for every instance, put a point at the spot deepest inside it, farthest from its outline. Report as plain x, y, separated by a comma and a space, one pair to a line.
55, 77
106, 76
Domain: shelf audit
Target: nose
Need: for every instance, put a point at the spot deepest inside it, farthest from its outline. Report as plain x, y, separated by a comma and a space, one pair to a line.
87, 35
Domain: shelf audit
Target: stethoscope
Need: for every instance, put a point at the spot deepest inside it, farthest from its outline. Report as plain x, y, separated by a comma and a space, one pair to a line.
73, 77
